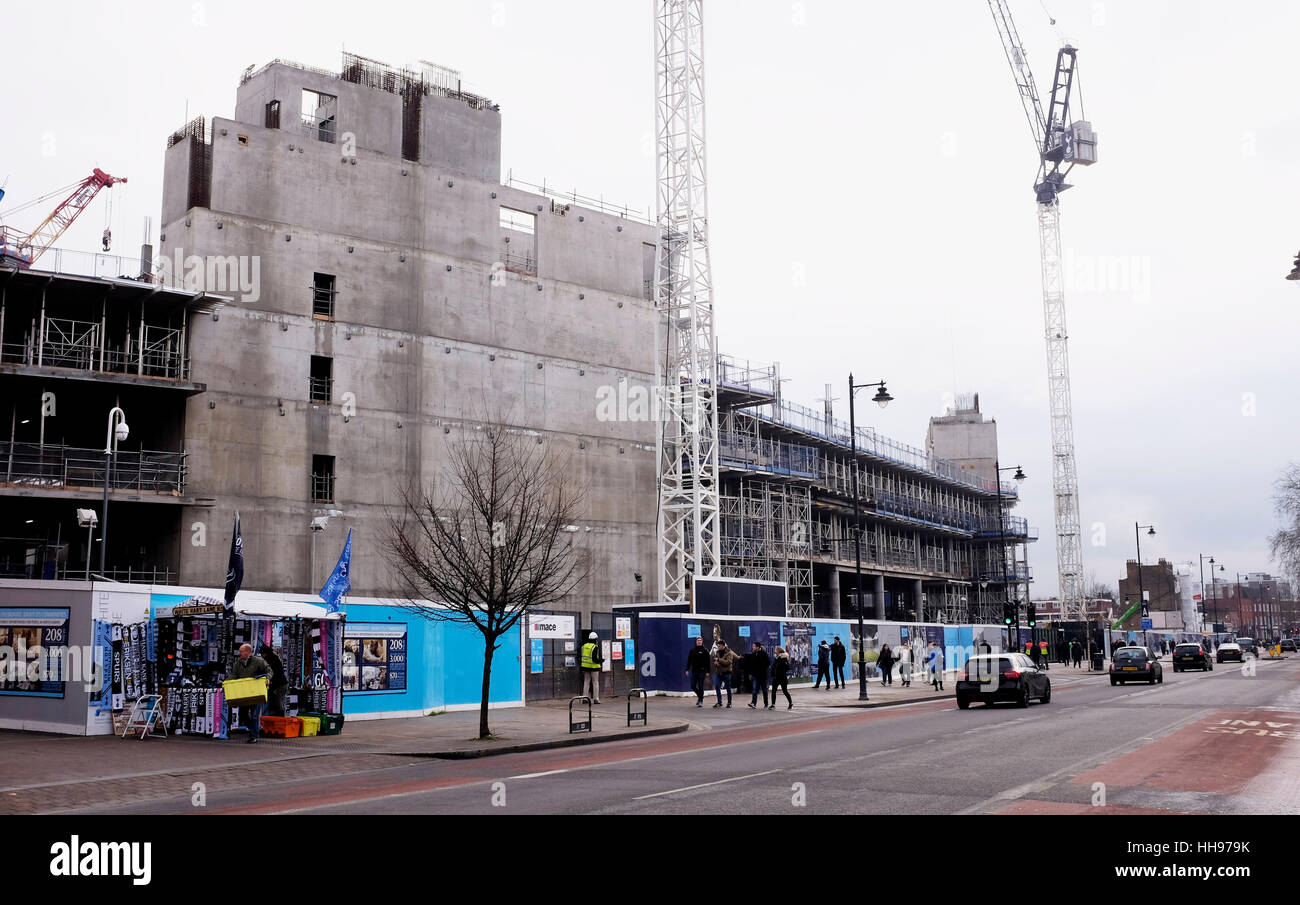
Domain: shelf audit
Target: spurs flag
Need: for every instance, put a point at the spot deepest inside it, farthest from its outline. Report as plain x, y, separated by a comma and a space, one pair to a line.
340, 580
235, 570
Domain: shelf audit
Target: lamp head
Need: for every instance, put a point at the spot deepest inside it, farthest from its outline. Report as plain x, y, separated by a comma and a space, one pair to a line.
122, 431
882, 397
1151, 532
1019, 475
87, 518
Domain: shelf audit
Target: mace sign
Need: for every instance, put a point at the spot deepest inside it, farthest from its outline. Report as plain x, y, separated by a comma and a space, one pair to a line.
543, 626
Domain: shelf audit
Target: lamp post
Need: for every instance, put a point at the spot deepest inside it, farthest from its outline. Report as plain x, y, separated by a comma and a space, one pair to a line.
117, 430
1002, 550
882, 398
1142, 594
1201, 558
1254, 629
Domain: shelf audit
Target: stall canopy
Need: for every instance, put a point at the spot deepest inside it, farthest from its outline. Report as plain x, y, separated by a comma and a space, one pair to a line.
259, 609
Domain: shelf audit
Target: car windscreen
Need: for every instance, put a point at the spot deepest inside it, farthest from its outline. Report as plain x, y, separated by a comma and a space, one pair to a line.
1129, 653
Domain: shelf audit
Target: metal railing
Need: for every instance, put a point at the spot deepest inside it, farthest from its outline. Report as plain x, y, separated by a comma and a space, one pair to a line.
1012, 526
524, 264
322, 302
733, 372
771, 456
76, 345
572, 197
320, 128
322, 487
321, 388
32, 465
128, 575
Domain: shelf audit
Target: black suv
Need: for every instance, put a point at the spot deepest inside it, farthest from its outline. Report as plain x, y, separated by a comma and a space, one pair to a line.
1191, 656
1002, 677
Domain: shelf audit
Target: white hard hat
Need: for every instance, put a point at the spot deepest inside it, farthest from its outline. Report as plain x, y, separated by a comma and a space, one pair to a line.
592, 637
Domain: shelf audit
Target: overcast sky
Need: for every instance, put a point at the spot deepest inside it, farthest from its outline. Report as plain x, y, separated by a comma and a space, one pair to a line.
870, 202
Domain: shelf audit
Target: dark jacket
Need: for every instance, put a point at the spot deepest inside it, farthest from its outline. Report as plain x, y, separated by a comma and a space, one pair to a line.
756, 665
278, 678
255, 666
780, 666
698, 659
886, 658
823, 655
838, 653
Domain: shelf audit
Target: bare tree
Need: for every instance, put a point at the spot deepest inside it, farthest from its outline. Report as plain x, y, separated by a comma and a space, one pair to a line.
1095, 588
493, 544
1284, 544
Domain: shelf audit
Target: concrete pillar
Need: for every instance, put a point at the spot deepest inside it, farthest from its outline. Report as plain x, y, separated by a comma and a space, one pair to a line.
916, 594
878, 595
835, 591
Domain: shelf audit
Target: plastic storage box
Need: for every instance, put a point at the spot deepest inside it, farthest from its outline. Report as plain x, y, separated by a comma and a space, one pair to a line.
242, 692
282, 726
310, 724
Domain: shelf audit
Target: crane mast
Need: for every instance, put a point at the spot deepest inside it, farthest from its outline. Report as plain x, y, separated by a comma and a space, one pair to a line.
686, 351
1060, 145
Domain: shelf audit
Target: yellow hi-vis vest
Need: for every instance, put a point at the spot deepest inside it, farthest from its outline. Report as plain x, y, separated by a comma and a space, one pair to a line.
589, 655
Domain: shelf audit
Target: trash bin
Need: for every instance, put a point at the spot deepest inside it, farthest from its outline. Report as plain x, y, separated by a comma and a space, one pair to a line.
1098, 661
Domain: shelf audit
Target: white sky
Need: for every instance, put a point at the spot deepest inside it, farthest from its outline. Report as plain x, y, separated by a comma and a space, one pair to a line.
880, 150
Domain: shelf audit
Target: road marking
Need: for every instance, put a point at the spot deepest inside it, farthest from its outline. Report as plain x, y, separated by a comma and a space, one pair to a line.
535, 775
704, 785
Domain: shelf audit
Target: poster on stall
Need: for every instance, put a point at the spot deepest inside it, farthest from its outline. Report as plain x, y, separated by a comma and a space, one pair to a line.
374, 656
607, 654
535, 655
618, 650
36, 643
622, 628
629, 654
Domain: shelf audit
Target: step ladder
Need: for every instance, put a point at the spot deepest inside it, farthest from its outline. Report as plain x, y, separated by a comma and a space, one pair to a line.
148, 718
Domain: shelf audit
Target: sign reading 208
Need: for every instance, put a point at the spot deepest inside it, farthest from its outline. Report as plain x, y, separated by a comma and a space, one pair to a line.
397, 650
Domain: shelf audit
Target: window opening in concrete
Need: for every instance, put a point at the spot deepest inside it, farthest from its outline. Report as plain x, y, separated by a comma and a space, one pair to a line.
519, 241
322, 479
322, 296
322, 378
318, 115
272, 120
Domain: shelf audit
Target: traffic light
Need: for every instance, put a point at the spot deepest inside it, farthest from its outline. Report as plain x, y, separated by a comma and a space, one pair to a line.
1033, 617
1007, 617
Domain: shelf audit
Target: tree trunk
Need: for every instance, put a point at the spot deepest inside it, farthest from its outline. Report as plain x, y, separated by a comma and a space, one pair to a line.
488, 649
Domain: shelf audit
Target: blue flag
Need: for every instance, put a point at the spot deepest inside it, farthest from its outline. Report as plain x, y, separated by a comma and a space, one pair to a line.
340, 580
235, 569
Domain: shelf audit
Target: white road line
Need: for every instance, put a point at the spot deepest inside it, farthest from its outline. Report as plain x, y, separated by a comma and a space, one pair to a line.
535, 775
704, 785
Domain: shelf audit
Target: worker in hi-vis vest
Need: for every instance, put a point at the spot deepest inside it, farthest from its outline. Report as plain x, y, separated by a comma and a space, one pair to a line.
590, 662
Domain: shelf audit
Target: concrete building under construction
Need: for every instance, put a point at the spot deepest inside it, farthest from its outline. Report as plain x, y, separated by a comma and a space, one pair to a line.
356, 288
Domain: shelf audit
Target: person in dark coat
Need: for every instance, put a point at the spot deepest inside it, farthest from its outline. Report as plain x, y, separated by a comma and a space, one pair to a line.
823, 665
780, 672
756, 665
279, 681
697, 667
886, 663
838, 656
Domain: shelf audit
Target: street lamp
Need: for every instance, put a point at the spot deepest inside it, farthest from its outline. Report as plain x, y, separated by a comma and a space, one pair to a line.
882, 398
1019, 478
117, 432
1201, 558
1142, 594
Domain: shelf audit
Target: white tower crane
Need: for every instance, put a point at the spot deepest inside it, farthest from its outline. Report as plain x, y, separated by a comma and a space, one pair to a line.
1057, 142
686, 351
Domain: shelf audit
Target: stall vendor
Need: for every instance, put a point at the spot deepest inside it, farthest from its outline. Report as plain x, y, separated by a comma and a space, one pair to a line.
250, 667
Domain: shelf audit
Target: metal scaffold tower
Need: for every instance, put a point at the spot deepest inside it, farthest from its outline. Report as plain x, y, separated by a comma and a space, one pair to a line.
686, 356
1058, 143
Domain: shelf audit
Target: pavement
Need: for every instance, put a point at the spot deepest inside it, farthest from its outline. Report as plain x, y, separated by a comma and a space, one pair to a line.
41, 772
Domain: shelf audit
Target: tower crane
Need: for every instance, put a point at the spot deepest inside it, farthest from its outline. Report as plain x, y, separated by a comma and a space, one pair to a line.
25, 248
1060, 146
686, 345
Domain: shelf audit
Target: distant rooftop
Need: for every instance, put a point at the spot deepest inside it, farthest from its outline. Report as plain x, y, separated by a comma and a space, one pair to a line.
429, 78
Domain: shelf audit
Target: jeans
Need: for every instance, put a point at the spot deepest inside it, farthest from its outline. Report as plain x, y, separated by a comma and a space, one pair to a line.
759, 685
697, 684
251, 718
782, 683
838, 673
888, 675
724, 679
823, 672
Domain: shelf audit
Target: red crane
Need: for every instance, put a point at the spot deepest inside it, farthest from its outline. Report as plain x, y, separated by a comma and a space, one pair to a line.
25, 248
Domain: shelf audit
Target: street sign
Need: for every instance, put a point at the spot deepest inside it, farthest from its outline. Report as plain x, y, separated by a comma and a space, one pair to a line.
1146, 624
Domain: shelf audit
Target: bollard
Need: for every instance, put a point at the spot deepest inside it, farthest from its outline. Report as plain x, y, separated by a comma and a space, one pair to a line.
581, 725
638, 717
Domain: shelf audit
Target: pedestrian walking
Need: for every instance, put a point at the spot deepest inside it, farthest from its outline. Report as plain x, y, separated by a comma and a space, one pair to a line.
780, 678
838, 656
756, 665
590, 664
823, 666
934, 662
905, 665
886, 663
1042, 655
248, 666
724, 663
697, 667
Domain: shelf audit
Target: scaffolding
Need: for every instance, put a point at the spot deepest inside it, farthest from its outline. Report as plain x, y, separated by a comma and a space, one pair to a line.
765, 534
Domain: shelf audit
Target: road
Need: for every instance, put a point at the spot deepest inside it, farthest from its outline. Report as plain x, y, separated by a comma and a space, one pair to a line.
1216, 743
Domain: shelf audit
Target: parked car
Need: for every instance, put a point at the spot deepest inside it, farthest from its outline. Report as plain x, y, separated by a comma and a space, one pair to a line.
1135, 664
1191, 656
1288, 644
1229, 651
1002, 677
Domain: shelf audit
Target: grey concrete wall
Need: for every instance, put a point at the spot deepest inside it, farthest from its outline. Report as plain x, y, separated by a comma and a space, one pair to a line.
455, 137
971, 443
429, 337
176, 181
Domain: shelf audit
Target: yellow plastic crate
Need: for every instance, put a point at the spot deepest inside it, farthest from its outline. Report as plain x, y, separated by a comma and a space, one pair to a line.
310, 725
242, 692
